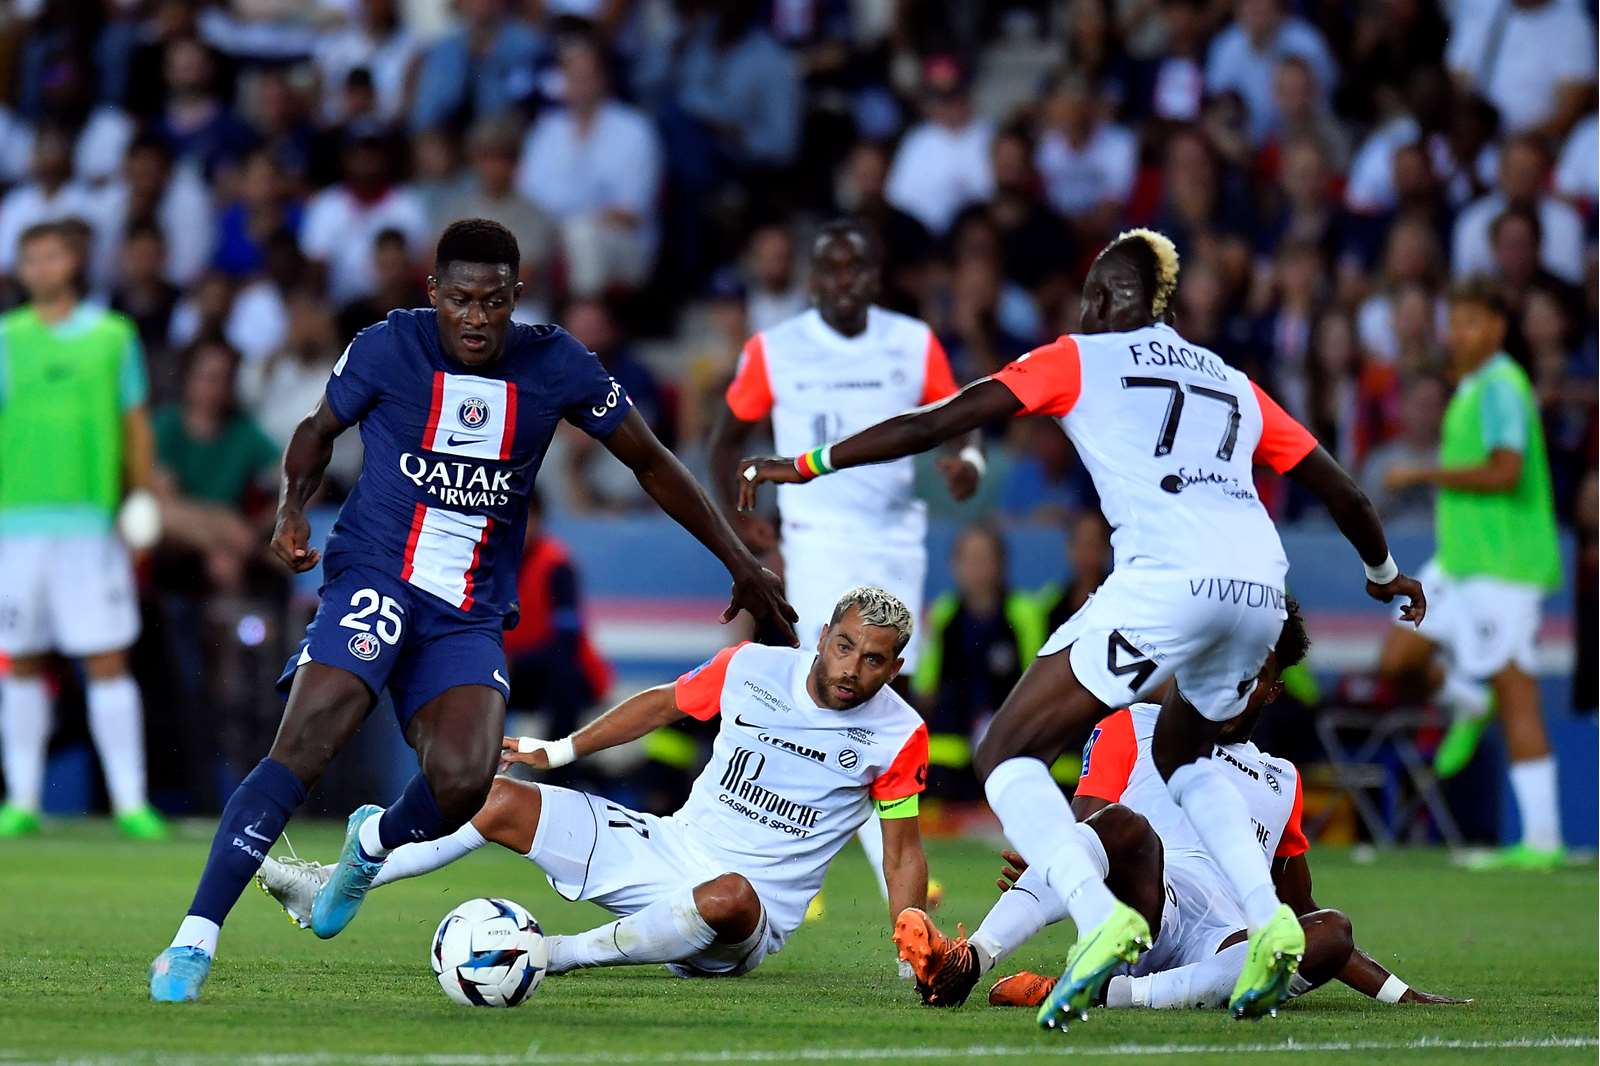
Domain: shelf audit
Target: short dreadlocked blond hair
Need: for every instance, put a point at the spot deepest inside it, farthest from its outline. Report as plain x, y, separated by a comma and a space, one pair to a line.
878, 607
1165, 274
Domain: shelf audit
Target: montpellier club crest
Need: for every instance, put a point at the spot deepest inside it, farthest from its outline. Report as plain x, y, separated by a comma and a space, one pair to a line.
473, 412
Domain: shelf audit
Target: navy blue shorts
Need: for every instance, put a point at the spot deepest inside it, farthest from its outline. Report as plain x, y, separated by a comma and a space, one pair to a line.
391, 634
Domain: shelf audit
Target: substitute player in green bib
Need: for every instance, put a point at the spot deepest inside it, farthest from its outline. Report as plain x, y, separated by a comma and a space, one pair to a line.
75, 464
1497, 558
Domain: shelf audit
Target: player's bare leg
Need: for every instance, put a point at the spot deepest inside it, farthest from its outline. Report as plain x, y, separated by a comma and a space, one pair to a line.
326, 706
1181, 748
1413, 665
457, 739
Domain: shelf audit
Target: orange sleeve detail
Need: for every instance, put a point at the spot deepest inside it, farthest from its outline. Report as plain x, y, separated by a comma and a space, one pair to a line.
1293, 842
749, 394
698, 693
1284, 442
1108, 758
908, 774
937, 380
1047, 380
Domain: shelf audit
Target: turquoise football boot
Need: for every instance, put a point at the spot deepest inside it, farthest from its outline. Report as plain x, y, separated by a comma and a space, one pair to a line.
177, 974
336, 904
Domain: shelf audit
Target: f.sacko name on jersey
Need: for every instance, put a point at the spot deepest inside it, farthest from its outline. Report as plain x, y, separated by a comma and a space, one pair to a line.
458, 484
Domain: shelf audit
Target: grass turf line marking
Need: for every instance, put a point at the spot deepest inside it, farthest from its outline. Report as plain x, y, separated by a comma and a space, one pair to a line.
975, 1051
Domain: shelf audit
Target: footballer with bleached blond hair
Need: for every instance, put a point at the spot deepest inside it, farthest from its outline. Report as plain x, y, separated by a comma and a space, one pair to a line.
1170, 434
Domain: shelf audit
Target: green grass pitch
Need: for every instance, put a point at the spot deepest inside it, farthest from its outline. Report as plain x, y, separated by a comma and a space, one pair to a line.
84, 912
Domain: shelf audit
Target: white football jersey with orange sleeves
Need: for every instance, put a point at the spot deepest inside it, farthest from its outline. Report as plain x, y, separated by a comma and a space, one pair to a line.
1118, 768
818, 386
1169, 433
789, 781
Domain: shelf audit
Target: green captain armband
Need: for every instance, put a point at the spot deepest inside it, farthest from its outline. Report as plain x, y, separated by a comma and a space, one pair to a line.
900, 808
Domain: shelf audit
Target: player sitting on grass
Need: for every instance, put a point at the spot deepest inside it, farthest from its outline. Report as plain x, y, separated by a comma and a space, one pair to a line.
1152, 860
809, 745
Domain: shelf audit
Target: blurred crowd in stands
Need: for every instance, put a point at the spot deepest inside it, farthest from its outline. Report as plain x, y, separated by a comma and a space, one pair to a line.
258, 179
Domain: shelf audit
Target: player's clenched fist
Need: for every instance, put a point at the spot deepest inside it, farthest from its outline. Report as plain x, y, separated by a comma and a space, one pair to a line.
291, 542
1410, 588
754, 471
760, 592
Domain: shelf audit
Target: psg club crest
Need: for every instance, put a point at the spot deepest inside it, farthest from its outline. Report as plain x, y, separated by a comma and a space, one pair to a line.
365, 646
473, 412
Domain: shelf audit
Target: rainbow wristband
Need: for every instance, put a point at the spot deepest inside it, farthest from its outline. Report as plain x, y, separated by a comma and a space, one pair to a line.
815, 463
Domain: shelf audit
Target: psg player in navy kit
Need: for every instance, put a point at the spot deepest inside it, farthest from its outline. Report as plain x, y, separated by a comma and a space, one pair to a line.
456, 406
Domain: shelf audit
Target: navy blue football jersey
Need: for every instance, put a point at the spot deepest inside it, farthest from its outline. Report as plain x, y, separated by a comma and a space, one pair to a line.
452, 451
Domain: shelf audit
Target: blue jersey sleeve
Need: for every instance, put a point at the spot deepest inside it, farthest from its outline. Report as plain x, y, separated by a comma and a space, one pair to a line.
595, 403
355, 383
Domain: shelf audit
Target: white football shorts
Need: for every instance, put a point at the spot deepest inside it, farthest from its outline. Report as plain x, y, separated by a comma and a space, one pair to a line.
1142, 627
593, 849
73, 595
1484, 624
817, 571
1197, 914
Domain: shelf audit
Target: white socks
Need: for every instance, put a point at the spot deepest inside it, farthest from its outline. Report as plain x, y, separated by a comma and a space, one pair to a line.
1037, 821
668, 930
198, 932
24, 737
1016, 916
1221, 820
1207, 983
1534, 784
372, 842
871, 836
414, 860
116, 721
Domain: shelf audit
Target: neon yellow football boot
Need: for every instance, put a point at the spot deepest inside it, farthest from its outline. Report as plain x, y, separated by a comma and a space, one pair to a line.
1116, 940
1275, 953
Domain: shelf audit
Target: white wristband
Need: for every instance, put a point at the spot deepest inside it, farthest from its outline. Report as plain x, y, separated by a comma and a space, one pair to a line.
559, 752
973, 455
1384, 572
139, 520
1392, 990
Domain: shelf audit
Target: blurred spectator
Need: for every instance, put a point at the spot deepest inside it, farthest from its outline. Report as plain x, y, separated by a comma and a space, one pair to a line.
483, 68
52, 195
145, 295
195, 122
1094, 48
1300, 110
258, 318
1174, 80
377, 42
1421, 413
1307, 213
1284, 332
279, 390
553, 664
943, 163
151, 189
215, 467
395, 284
741, 85
1037, 250
1193, 206
1524, 175
1413, 257
1578, 169
1045, 482
976, 642
1087, 162
1089, 561
343, 221
907, 246
489, 193
436, 173
266, 205
1533, 59
1515, 239
278, 110
1243, 58
204, 312
594, 167
774, 290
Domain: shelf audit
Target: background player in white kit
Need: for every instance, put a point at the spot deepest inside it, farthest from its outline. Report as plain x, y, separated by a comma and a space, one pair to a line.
809, 745
840, 367
1170, 434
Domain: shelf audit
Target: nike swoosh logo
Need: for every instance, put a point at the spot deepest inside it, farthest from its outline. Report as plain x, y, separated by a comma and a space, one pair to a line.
455, 441
249, 831
502, 680
892, 804
748, 725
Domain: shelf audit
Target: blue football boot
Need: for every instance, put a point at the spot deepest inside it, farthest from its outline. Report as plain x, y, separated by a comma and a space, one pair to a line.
336, 904
177, 974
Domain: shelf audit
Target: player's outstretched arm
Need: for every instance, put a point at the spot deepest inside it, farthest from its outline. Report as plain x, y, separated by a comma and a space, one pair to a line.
304, 460
905, 865
1292, 878
1358, 520
622, 724
980, 403
755, 588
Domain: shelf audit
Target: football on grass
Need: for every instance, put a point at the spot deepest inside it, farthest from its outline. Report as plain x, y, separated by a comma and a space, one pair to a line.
488, 953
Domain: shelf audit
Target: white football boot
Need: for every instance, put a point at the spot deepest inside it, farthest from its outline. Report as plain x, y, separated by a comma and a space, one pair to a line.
293, 882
